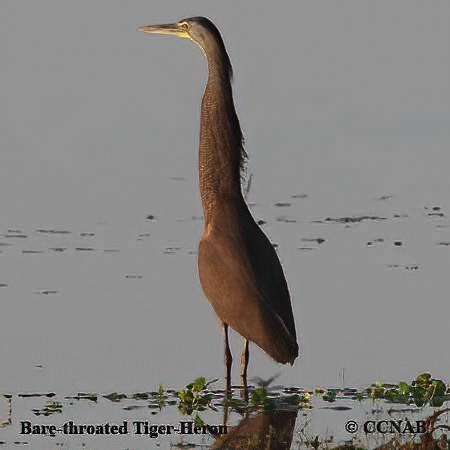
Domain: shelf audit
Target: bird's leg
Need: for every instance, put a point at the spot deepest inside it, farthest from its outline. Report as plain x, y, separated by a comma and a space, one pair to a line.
228, 356
225, 413
244, 361
244, 365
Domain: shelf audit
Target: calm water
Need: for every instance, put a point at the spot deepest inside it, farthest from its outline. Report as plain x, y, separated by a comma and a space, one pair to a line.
113, 307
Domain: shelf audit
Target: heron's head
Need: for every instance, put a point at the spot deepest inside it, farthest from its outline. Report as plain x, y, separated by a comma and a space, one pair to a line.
199, 29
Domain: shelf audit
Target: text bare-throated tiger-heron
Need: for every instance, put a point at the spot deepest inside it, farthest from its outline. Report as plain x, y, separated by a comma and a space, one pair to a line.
239, 270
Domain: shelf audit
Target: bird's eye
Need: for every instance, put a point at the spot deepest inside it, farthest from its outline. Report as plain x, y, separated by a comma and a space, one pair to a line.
184, 26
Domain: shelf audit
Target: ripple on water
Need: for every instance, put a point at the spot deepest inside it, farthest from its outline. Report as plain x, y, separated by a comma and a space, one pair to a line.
58, 249
408, 267
286, 219
375, 242
350, 219
45, 291
318, 240
283, 204
143, 236
383, 198
434, 211
52, 231
299, 196
171, 250
15, 234
133, 276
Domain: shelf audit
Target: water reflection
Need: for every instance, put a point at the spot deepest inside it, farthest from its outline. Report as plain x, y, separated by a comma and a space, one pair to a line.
264, 430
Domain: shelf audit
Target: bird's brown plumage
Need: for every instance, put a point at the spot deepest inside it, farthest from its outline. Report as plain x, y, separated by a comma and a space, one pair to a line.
239, 270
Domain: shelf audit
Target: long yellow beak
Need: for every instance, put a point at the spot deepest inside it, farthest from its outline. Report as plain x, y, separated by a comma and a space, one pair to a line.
172, 29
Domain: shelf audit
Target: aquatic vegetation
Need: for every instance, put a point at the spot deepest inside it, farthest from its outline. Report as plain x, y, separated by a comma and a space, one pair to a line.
196, 396
262, 411
422, 391
84, 395
115, 397
50, 408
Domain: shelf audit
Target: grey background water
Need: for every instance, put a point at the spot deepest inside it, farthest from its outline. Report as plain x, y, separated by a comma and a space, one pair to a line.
346, 103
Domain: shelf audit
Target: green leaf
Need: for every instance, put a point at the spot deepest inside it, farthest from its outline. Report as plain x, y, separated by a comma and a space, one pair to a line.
198, 420
199, 384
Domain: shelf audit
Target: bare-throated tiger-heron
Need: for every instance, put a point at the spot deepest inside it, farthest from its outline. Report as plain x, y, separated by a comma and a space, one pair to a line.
239, 270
